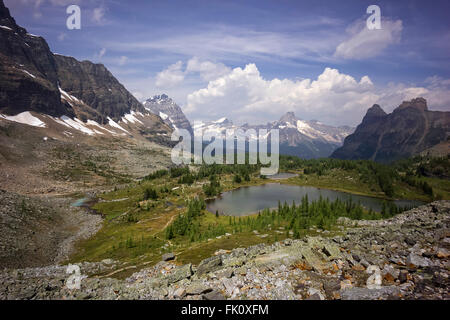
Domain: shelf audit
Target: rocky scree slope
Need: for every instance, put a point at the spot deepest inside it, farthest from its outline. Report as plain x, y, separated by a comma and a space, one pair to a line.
405, 257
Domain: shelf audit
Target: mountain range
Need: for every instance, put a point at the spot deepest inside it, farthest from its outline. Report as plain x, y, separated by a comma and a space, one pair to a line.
306, 139
409, 130
71, 97
49, 90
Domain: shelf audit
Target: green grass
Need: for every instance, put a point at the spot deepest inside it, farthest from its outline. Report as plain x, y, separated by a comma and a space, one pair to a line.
349, 181
133, 230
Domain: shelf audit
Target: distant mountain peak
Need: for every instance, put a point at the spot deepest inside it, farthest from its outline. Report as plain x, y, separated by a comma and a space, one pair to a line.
223, 120
417, 103
289, 117
163, 106
400, 134
161, 97
6, 20
374, 112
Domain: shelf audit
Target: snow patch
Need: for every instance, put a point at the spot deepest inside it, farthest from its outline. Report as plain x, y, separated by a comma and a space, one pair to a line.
6, 28
68, 97
31, 75
78, 125
112, 123
163, 115
221, 120
131, 118
25, 118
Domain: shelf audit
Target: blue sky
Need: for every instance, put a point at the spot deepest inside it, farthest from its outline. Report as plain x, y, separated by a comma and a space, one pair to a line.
252, 61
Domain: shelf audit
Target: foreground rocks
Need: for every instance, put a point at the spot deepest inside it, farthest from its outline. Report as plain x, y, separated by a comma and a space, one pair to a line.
405, 257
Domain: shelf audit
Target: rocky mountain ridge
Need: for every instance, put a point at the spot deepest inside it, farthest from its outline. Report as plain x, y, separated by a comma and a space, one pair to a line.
306, 139
40, 87
409, 130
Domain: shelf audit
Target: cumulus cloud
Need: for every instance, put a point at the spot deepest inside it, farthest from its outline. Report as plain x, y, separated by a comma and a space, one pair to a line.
207, 69
334, 97
171, 76
435, 89
246, 96
177, 72
364, 43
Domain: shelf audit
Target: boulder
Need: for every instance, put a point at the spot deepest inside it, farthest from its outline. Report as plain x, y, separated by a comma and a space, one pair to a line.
209, 265
180, 273
213, 295
415, 261
196, 288
168, 256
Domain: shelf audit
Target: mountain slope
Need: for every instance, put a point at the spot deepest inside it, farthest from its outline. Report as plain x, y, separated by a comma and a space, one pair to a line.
169, 111
408, 130
63, 94
94, 85
28, 72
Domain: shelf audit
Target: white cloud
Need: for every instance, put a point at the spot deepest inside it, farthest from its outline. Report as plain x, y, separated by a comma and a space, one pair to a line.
171, 76
176, 73
333, 98
212, 42
364, 43
207, 69
245, 96
435, 89
122, 60
98, 15
102, 52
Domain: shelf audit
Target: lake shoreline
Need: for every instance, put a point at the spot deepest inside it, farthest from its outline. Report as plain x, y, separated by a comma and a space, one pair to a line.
337, 194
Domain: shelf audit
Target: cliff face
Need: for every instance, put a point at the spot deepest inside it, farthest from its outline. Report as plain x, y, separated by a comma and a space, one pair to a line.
32, 78
408, 130
28, 71
101, 94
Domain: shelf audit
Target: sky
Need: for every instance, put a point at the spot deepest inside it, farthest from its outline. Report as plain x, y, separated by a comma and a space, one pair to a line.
252, 61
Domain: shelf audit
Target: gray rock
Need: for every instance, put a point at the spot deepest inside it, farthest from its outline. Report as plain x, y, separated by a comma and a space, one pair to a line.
168, 256
180, 273
196, 288
416, 261
214, 295
209, 265
358, 293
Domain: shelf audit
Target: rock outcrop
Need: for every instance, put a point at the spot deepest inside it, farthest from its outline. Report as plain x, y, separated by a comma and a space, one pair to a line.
409, 130
405, 257
100, 94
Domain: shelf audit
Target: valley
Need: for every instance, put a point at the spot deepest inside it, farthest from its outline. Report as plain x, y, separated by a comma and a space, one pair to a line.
136, 228
88, 179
